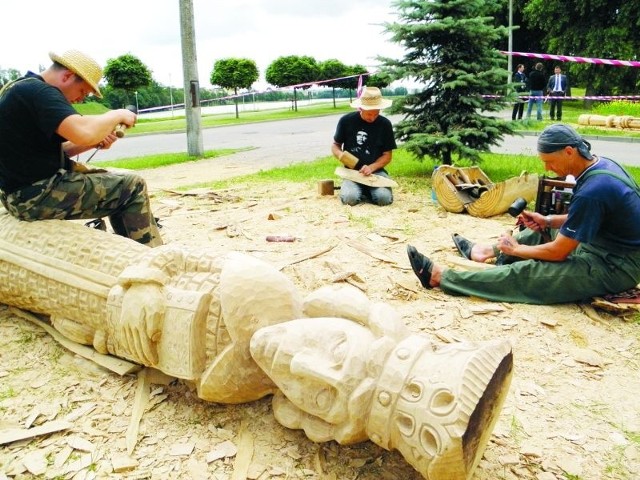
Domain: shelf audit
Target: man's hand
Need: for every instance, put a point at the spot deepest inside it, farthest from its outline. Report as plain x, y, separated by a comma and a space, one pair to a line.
366, 170
532, 220
507, 244
107, 141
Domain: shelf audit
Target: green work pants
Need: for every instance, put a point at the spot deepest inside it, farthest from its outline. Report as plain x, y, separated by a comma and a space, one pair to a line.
588, 272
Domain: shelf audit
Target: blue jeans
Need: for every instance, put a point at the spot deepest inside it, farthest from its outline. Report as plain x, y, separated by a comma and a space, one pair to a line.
538, 100
352, 193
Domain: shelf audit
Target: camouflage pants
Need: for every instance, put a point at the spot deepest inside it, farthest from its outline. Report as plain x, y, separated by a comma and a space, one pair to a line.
70, 196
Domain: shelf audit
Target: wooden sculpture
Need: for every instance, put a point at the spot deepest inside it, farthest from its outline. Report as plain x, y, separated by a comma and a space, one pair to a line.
234, 326
469, 189
610, 121
188, 313
363, 376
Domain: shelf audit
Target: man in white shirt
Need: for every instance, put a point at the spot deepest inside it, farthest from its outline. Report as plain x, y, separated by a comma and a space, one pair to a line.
557, 87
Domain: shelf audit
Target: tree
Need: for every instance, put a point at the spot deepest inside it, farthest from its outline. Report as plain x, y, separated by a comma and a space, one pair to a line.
127, 73
591, 28
351, 83
8, 75
333, 70
293, 70
234, 73
450, 48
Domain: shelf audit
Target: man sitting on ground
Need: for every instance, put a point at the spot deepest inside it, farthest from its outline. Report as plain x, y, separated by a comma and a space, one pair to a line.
595, 249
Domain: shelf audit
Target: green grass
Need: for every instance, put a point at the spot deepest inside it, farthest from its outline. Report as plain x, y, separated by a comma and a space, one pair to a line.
164, 159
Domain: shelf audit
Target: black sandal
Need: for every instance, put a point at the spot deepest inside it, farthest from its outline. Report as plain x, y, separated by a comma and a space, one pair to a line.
421, 266
463, 245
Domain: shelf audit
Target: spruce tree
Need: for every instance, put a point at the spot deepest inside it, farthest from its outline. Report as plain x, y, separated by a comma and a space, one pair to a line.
451, 47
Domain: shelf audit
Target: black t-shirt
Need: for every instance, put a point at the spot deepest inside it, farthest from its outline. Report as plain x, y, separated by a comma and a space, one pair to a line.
367, 141
30, 112
537, 80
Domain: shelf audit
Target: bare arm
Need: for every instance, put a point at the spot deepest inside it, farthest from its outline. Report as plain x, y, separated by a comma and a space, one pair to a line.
90, 130
336, 149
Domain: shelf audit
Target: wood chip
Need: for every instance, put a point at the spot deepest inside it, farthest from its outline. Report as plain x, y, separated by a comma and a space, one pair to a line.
588, 357
123, 464
36, 462
15, 434
181, 449
370, 251
245, 454
139, 405
79, 443
222, 450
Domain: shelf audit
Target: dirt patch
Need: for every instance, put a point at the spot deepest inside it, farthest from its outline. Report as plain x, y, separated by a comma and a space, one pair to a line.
572, 411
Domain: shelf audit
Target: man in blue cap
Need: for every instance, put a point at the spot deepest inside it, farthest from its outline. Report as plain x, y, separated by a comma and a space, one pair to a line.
594, 250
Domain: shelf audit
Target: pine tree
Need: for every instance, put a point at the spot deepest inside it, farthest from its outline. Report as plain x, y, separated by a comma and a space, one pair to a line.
451, 48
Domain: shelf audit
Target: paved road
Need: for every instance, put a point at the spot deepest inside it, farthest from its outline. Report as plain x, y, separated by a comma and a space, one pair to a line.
280, 143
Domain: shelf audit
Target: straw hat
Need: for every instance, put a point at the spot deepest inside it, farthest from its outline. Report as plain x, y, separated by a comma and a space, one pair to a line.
82, 65
371, 99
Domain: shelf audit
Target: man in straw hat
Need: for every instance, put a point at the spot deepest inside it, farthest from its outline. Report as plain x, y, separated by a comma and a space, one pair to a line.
39, 133
594, 250
364, 141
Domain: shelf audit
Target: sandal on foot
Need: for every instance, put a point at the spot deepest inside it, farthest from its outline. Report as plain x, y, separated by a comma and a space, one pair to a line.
421, 266
463, 245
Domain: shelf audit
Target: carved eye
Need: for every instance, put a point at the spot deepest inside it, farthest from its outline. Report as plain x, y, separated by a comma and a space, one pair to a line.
429, 441
339, 351
406, 424
443, 402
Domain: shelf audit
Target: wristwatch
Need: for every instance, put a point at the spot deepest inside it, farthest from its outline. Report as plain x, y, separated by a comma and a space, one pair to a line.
547, 220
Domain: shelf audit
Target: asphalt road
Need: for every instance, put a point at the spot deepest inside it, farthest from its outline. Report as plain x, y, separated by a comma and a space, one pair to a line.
280, 143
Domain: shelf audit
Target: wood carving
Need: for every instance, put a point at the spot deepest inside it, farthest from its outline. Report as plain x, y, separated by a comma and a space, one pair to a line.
187, 313
363, 376
235, 327
469, 189
610, 121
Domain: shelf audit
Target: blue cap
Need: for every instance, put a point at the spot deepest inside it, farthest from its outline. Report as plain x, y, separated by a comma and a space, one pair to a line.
557, 136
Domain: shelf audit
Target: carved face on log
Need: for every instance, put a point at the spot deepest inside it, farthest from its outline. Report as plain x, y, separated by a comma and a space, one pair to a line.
319, 366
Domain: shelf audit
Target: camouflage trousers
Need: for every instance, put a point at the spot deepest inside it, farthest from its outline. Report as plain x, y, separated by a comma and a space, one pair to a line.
70, 195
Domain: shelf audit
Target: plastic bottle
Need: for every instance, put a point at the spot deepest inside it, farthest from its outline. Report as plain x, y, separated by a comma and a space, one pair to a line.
434, 197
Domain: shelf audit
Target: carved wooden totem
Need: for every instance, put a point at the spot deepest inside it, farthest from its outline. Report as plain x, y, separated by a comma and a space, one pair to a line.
347, 381
236, 327
189, 313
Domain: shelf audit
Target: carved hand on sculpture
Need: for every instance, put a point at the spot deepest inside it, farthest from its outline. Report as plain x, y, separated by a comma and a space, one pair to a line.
143, 310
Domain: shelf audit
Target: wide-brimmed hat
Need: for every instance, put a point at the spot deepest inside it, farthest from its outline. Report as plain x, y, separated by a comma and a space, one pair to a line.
371, 99
82, 65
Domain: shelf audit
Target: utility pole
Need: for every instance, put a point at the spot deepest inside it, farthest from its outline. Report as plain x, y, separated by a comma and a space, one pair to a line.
191, 85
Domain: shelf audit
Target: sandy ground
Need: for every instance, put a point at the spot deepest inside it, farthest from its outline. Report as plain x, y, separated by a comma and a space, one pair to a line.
571, 413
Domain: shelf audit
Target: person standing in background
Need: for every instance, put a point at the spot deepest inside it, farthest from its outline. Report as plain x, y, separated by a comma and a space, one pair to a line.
520, 86
557, 88
536, 87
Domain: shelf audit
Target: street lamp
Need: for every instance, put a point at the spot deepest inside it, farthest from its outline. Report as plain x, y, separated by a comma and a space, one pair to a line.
136, 94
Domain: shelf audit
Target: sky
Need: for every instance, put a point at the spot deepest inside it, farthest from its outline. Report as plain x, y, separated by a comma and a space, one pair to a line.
262, 30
